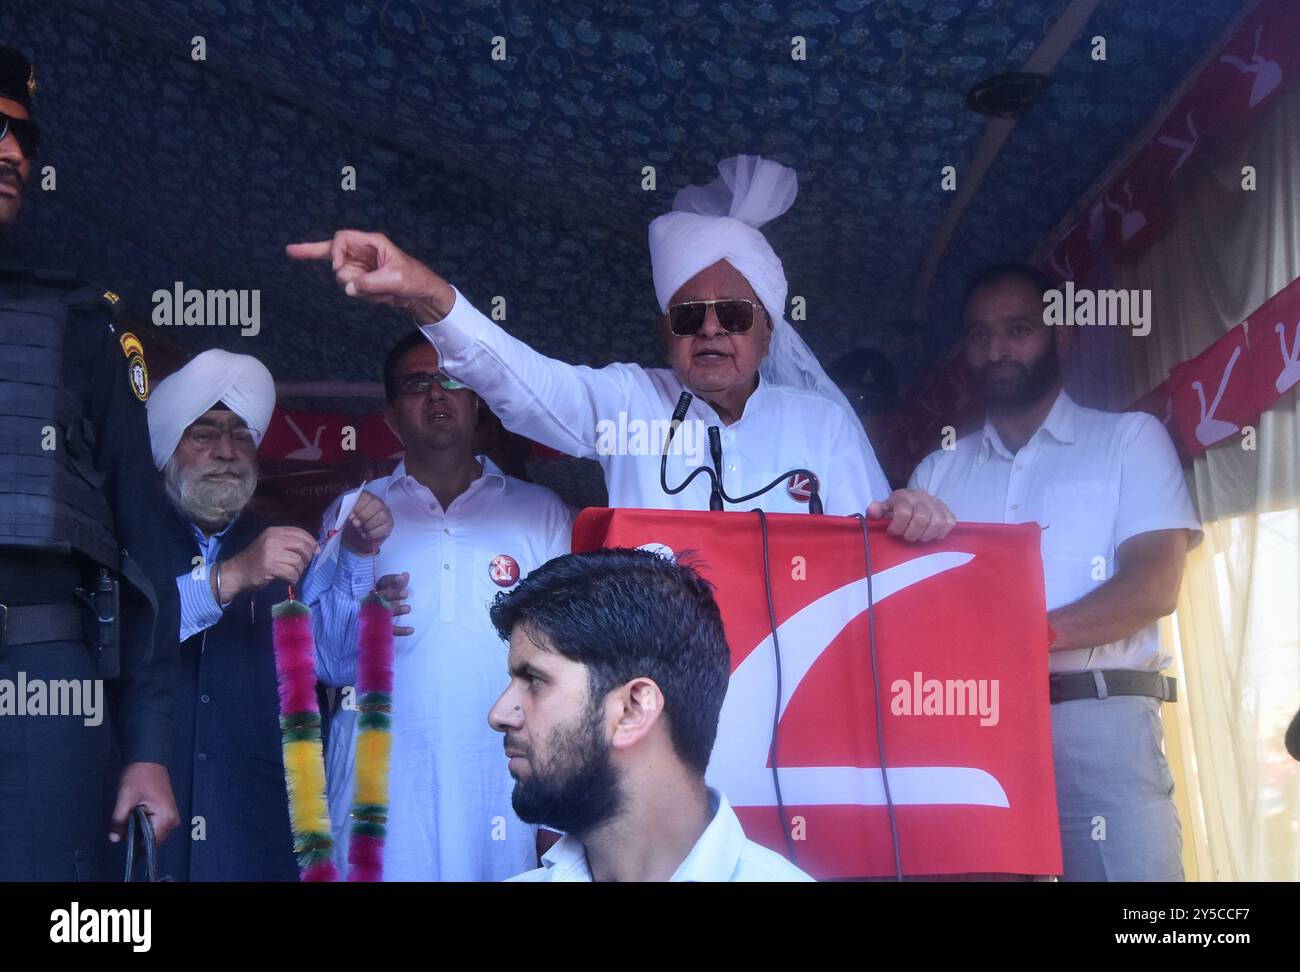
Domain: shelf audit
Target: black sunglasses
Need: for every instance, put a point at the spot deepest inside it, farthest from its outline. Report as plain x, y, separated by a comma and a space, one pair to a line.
735, 315
25, 131
420, 382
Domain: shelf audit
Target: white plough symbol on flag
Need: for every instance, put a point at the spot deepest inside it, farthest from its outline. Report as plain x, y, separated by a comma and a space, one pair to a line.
739, 766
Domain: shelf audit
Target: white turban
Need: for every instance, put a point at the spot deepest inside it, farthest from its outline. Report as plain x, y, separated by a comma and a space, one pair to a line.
239, 380
720, 221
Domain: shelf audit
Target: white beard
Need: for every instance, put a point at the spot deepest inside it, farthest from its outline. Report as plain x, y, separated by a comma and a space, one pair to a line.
208, 502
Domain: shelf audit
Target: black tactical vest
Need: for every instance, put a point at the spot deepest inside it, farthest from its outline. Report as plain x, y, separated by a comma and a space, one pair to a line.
50, 493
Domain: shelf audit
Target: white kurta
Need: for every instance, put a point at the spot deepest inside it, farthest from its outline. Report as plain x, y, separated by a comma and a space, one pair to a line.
450, 817
618, 414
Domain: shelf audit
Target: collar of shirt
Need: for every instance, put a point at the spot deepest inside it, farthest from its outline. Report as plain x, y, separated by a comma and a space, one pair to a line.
714, 857
754, 404
1059, 424
491, 474
208, 546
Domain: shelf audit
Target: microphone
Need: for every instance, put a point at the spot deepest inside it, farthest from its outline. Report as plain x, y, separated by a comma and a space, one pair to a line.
715, 450
679, 413
715, 491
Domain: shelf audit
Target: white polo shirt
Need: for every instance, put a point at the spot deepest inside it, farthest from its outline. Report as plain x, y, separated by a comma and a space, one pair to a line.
607, 414
1091, 480
723, 853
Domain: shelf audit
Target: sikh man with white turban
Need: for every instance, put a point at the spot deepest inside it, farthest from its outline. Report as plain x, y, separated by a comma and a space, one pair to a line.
206, 422
722, 293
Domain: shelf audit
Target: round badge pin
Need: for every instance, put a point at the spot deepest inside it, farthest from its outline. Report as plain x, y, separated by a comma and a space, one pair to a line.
800, 487
504, 570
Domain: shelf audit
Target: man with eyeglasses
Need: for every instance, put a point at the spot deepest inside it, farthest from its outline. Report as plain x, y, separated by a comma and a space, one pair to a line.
722, 292
462, 532
85, 601
205, 424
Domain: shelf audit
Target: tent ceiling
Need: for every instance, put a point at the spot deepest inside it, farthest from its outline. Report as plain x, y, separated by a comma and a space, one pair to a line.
522, 178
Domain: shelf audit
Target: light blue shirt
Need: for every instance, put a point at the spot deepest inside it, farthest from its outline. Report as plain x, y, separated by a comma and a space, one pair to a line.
200, 610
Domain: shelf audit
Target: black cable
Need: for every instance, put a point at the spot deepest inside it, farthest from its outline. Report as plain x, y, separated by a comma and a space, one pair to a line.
880, 728
716, 492
679, 413
759, 492
776, 712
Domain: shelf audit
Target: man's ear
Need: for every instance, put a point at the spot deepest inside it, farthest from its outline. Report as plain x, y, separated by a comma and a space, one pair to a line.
639, 706
665, 334
1063, 337
392, 425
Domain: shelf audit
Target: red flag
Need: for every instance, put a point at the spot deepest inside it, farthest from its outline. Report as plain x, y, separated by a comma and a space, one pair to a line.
961, 638
1212, 393
1275, 346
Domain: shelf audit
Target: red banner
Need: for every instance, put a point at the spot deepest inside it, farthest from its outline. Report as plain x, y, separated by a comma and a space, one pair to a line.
1210, 398
1228, 95
310, 438
963, 695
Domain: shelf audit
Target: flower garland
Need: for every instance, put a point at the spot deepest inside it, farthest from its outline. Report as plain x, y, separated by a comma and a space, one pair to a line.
304, 765
374, 741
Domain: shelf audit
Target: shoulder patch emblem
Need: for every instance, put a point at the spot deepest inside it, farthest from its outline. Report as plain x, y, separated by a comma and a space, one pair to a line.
136, 370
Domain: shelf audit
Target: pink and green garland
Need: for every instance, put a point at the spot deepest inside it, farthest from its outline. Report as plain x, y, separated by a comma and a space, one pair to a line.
300, 729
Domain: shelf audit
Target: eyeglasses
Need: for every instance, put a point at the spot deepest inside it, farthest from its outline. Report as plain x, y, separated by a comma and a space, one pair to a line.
207, 436
25, 131
735, 315
420, 382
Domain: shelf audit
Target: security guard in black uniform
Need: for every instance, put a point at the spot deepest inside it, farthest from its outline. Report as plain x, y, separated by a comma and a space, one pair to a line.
85, 595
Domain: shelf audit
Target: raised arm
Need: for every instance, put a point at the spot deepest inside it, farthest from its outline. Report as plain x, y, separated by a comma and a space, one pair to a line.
552, 402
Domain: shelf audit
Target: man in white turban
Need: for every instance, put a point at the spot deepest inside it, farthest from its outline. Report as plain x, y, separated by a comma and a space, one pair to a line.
205, 424
722, 292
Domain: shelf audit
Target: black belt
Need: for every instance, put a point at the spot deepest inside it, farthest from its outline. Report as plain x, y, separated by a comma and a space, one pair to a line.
1101, 684
25, 624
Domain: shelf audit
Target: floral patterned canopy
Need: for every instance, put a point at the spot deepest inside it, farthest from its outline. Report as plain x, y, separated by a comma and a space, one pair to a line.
524, 177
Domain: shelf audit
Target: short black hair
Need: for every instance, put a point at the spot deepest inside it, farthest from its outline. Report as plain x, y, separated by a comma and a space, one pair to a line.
414, 339
627, 614
1007, 270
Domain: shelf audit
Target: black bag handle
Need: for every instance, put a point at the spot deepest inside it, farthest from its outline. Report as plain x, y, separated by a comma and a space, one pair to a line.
139, 820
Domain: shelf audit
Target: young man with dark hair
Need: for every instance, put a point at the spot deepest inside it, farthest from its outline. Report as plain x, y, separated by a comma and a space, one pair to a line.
618, 668
1118, 523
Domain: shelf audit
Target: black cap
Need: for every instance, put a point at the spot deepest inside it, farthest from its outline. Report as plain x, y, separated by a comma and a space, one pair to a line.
17, 77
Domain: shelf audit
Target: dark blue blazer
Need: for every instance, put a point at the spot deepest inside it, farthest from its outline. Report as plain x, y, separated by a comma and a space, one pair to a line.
226, 766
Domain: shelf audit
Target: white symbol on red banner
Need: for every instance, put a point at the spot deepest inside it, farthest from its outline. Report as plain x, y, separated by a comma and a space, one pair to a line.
1290, 359
311, 451
801, 487
739, 765
1131, 220
1268, 74
504, 570
1063, 272
662, 549
1188, 146
1209, 429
